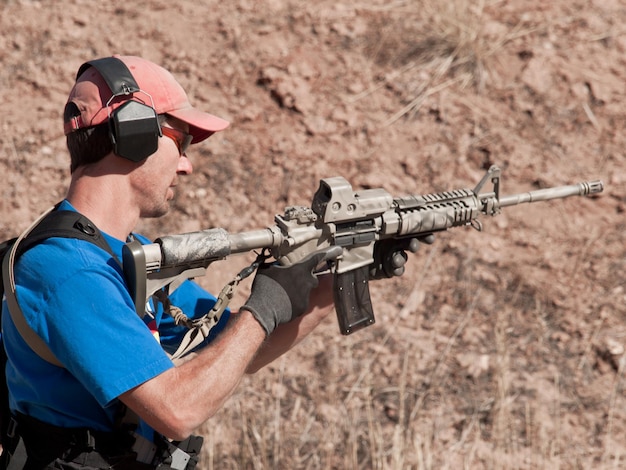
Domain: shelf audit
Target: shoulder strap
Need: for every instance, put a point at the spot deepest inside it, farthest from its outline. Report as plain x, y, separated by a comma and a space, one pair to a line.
66, 224
52, 223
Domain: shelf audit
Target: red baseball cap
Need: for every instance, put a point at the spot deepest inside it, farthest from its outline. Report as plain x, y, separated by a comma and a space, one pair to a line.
158, 88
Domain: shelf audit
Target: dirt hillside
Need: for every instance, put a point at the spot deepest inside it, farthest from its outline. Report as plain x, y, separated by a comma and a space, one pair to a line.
497, 349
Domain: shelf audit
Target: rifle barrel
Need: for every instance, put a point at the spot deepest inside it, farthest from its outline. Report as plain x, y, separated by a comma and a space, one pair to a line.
581, 189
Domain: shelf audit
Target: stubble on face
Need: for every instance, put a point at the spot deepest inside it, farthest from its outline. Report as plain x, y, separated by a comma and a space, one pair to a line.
157, 178
154, 184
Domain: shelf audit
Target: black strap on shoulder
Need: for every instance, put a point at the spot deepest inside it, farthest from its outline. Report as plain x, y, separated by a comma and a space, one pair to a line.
65, 224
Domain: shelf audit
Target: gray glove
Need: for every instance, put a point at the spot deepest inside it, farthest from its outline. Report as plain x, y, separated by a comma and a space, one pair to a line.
281, 293
390, 255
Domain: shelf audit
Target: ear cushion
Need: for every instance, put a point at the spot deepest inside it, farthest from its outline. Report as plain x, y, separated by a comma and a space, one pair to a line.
135, 131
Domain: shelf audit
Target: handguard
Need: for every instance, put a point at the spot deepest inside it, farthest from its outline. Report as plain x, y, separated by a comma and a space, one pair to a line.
352, 300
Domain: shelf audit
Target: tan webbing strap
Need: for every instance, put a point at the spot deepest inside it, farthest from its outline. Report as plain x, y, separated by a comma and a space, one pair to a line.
199, 328
8, 277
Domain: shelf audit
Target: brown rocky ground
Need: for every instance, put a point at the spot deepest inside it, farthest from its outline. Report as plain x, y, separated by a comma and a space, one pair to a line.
499, 349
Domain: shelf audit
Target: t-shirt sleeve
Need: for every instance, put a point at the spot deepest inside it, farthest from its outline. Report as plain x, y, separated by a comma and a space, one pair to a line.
88, 320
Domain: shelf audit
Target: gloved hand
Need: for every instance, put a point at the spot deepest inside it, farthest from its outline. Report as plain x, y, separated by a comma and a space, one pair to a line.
390, 255
281, 293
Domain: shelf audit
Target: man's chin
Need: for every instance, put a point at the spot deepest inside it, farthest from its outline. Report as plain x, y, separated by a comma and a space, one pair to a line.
157, 212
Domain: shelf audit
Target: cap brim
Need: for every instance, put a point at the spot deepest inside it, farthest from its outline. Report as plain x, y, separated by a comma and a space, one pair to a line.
201, 125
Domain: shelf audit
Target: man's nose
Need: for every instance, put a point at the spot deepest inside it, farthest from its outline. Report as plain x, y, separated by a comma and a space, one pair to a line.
184, 165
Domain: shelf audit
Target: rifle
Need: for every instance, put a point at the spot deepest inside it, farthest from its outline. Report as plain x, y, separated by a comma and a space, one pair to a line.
339, 216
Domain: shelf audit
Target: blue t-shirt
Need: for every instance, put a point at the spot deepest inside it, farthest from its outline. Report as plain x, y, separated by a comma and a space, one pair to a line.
73, 295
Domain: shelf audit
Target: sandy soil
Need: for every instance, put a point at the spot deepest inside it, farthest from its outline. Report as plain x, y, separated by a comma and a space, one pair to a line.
497, 349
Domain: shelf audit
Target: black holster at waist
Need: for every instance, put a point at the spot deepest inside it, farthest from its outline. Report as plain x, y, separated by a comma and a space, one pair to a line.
53, 447
49, 446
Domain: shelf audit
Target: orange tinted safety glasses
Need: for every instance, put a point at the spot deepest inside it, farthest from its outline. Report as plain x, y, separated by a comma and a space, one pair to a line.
182, 139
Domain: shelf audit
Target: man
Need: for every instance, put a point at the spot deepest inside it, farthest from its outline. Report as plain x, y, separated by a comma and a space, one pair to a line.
128, 125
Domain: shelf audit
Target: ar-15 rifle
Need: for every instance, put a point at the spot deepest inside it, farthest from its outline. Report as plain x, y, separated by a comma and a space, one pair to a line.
339, 216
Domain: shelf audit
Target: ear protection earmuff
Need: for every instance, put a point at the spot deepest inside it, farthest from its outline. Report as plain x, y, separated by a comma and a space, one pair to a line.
134, 126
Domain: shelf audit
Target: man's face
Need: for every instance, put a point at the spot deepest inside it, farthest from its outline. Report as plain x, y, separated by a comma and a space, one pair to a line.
156, 178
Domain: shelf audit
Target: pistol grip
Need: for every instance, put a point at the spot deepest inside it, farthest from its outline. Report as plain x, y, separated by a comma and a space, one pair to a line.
352, 300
